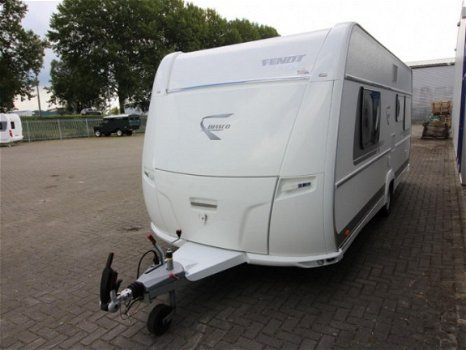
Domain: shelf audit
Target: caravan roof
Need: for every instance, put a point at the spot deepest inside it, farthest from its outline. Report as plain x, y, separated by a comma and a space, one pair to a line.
319, 55
274, 58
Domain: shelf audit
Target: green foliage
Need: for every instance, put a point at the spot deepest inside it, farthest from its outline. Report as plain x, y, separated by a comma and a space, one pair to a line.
114, 111
114, 43
190, 28
75, 86
247, 31
21, 54
113, 47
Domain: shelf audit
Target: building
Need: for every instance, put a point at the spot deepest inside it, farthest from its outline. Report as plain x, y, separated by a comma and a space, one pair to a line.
24, 113
433, 80
459, 99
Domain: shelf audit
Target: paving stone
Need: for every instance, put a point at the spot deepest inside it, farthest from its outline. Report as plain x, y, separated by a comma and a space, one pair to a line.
400, 285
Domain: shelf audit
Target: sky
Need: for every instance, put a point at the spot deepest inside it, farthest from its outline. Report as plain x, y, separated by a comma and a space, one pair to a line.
414, 30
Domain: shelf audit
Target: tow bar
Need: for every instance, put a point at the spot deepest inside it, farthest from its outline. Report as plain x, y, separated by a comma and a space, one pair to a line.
191, 262
163, 276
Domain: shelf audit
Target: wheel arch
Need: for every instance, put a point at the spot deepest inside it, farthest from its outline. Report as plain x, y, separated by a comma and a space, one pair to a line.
389, 184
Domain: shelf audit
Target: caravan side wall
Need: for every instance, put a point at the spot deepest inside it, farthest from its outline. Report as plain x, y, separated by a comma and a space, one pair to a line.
459, 98
374, 133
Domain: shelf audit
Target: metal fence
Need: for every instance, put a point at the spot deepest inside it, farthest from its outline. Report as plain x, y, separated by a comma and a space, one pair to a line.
59, 129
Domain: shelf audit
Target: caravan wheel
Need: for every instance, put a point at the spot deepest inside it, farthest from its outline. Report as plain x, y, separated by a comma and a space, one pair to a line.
97, 133
159, 319
119, 132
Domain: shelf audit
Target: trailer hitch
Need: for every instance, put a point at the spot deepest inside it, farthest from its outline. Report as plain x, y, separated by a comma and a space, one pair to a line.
109, 285
163, 276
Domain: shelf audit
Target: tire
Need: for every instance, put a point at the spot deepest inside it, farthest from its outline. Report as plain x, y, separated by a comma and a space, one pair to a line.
158, 323
119, 132
97, 133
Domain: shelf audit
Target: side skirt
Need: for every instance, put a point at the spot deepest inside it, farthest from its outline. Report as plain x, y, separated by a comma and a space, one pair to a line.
347, 235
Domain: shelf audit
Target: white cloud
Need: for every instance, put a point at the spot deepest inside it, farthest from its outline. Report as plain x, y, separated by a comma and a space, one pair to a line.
412, 29
33, 103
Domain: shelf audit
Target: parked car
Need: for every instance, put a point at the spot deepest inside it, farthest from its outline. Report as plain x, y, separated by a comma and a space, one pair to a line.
90, 111
122, 124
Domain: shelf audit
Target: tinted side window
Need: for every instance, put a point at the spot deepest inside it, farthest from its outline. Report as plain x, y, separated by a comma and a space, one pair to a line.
134, 121
404, 113
397, 108
12, 124
400, 108
367, 128
2, 125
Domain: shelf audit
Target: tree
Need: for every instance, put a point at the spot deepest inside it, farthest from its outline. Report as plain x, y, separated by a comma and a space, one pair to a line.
75, 87
242, 30
21, 54
118, 44
189, 28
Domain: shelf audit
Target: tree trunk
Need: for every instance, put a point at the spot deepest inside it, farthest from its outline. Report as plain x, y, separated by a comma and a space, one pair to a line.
121, 101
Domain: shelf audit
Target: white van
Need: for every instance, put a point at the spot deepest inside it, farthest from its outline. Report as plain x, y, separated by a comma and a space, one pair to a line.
11, 129
274, 152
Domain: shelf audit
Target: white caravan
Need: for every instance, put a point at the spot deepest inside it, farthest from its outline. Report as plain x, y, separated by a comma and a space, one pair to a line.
280, 149
11, 129
273, 152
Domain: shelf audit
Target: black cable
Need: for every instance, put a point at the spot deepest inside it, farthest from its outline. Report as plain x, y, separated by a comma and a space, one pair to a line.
130, 305
142, 257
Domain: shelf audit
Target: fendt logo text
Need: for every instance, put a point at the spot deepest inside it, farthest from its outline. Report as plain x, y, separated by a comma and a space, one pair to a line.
282, 60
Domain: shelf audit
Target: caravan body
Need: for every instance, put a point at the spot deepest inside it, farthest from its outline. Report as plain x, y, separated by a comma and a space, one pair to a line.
275, 152
11, 129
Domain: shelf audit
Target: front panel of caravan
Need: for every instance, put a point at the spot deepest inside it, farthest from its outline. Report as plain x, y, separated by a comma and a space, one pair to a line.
4, 132
230, 213
230, 131
215, 157
237, 158
10, 128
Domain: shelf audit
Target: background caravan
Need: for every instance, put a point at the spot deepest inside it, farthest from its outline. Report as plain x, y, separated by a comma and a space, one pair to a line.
274, 152
11, 129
